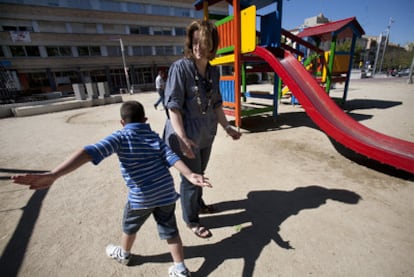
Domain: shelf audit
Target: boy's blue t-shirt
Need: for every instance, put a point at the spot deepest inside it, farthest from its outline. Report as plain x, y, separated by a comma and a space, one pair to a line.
144, 162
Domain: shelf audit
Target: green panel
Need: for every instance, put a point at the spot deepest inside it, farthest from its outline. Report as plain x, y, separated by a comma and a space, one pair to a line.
225, 50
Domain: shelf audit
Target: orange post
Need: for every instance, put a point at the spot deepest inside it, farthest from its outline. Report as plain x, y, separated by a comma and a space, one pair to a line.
237, 60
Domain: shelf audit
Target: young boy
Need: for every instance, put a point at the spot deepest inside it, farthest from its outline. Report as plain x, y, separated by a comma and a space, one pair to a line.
144, 160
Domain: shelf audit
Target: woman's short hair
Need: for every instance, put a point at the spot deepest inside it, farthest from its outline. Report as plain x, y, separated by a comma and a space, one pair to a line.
208, 37
132, 112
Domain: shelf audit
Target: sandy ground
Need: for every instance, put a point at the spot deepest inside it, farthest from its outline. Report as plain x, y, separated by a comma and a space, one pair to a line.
291, 204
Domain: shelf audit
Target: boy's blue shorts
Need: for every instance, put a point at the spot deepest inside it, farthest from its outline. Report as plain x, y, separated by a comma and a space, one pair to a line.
164, 216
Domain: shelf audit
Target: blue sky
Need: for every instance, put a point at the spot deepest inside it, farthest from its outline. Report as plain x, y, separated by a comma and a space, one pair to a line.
372, 15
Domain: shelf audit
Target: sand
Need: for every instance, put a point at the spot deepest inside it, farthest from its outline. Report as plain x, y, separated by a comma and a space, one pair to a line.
291, 204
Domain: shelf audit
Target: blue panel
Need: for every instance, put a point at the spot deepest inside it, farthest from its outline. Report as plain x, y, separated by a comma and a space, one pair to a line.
227, 90
269, 30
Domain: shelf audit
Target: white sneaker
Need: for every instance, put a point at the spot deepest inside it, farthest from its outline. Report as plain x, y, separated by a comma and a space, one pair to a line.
115, 252
172, 272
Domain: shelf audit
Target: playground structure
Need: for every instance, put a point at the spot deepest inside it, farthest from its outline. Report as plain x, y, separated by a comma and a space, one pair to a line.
244, 49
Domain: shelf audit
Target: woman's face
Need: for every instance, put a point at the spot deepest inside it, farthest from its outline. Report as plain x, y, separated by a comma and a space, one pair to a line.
199, 50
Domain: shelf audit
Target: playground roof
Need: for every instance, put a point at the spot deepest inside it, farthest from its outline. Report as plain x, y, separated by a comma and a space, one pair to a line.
243, 3
344, 28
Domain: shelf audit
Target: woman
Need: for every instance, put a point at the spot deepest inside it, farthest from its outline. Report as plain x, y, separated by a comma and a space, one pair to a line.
194, 107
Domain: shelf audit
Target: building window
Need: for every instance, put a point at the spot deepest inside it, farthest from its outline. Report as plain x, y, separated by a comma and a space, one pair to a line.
118, 78
179, 50
52, 51
98, 76
84, 28
135, 8
139, 30
32, 51
37, 80
52, 27
65, 51
89, 51
95, 51
144, 75
83, 50
58, 51
160, 10
113, 29
147, 50
17, 51
17, 28
9, 28
179, 31
25, 51
162, 31
164, 50
66, 77
142, 50
79, 4
137, 50
181, 12
114, 51
112, 6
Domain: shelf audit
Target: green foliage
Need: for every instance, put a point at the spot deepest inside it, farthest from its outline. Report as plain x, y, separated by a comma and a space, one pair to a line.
397, 57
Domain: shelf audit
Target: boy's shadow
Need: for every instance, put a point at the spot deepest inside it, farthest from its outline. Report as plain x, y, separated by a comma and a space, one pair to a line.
262, 212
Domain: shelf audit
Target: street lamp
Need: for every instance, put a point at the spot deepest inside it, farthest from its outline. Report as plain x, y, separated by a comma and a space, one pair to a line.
386, 41
374, 71
125, 66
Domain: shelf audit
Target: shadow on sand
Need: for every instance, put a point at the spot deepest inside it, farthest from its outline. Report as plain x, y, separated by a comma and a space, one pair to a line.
265, 123
262, 212
15, 250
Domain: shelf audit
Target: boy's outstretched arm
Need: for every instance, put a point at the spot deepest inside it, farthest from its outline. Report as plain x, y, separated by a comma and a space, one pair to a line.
45, 180
196, 179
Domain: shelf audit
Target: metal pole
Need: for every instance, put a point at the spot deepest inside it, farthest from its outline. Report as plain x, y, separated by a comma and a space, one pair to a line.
125, 66
410, 74
377, 54
386, 42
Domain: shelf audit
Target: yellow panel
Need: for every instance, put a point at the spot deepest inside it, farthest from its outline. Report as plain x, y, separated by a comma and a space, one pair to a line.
223, 60
325, 71
248, 29
341, 63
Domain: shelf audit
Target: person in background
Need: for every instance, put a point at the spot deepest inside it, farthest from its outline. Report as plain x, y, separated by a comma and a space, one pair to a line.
144, 162
194, 110
160, 86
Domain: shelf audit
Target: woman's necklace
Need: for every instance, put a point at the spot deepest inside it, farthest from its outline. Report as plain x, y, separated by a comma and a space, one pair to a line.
207, 83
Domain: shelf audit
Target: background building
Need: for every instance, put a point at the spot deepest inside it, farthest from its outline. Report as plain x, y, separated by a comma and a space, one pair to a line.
47, 45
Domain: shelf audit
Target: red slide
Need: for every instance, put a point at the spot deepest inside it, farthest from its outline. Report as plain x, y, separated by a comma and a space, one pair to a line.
333, 120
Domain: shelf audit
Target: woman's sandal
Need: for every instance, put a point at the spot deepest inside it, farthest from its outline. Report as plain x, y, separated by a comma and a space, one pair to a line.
209, 209
201, 231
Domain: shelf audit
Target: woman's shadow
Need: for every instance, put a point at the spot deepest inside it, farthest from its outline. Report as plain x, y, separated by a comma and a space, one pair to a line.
262, 212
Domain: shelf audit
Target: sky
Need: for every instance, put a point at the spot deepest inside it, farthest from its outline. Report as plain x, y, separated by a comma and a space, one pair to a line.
373, 15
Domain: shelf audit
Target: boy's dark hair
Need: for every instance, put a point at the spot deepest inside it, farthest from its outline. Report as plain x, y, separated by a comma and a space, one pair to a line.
132, 112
